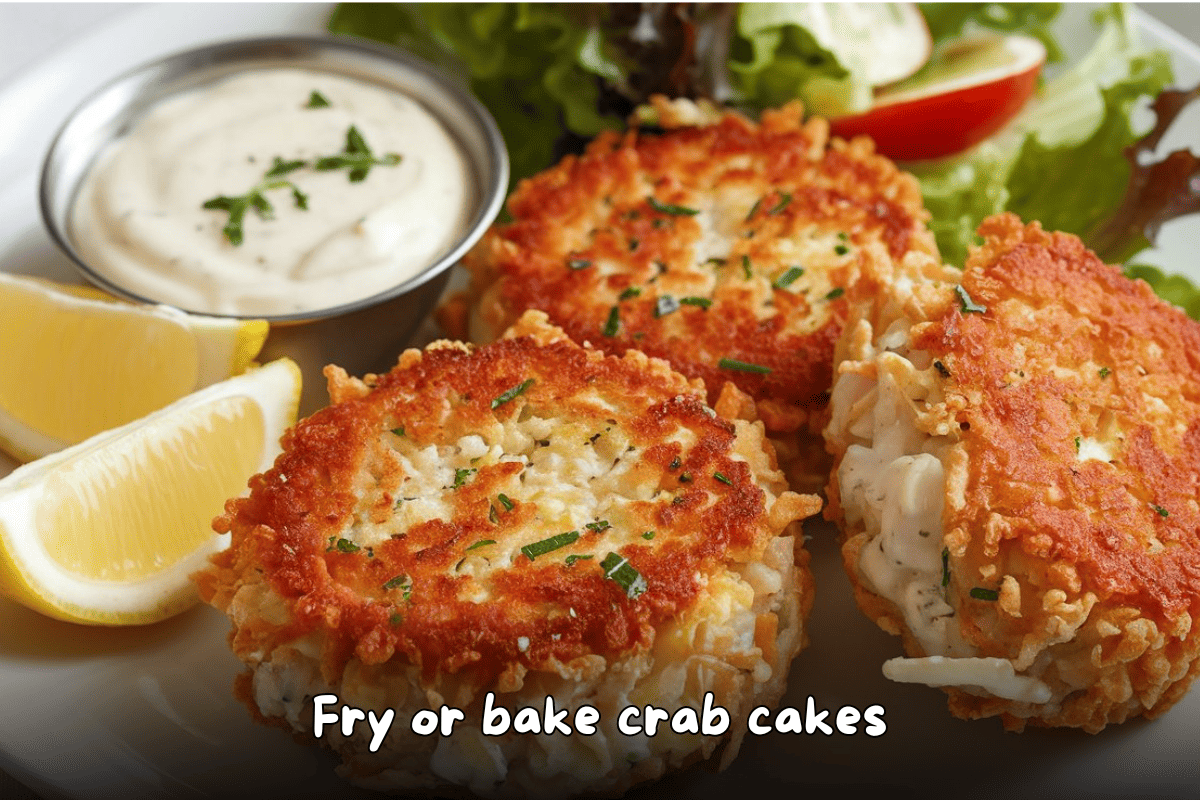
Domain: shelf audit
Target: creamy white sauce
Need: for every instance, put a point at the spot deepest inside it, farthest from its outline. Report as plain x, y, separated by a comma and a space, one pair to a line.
139, 218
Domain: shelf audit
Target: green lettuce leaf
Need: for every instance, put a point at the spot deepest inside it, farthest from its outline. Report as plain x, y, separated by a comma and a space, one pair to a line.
773, 58
949, 20
534, 65
1060, 161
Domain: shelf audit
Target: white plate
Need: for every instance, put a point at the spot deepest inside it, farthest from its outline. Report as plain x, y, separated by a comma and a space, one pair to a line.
87, 713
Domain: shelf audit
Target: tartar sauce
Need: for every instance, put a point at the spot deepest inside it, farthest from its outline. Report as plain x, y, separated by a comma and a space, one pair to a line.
140, 220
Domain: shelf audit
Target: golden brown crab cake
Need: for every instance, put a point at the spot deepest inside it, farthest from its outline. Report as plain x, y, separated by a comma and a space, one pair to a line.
724, 249
1018, 460
530, 518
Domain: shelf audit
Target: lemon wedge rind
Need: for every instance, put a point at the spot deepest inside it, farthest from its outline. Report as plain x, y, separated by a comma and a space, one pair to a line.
81, 530
76, 364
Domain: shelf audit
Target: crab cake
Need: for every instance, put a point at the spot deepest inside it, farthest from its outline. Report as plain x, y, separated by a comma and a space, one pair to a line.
532, 519
724, 249
1018, 460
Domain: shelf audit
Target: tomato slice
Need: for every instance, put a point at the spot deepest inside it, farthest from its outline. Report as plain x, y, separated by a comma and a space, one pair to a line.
969, 94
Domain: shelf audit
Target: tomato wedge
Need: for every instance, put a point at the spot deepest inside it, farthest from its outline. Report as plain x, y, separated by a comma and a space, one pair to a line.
968, 93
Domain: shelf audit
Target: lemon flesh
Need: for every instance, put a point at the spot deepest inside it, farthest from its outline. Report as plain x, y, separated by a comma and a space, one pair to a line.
73, 365
108, 531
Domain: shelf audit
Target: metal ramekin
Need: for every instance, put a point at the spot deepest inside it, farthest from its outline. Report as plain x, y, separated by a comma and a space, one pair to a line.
362, 335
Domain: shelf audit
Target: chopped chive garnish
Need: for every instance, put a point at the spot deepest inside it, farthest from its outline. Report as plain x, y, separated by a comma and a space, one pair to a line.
945, 566
633, 244
841, 249
835, 293
317, 100
613, 323
648, 535
754, 209
980, 593
1078, 441
493, 517
280, 167
480, 543
578, 263
512, 393
747, 272
1105, 372
673, 210
742, 366
357, 157
549, 545
504, 501
632, 291
969, 306
788, 278
784, 199
347, 546
676, 463
722, 479
398, 431
396, 619
598, 526
620, 571
396, 583
843, 236
665, 304
1162, 512
720, 262
702, 302
571, 559
461, 475
941, 368
685, 477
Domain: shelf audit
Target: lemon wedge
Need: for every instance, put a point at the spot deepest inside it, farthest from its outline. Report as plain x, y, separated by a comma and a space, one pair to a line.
73, 364
106, 532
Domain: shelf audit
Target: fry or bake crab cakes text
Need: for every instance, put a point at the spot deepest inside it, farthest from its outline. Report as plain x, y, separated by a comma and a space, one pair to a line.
530, 518
725, 249
1018, 466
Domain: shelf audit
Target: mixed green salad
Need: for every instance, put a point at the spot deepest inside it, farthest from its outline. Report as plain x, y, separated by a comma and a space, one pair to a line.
554, 75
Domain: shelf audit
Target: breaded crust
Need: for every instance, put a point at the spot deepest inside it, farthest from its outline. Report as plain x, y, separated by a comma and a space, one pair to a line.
479, 517
1069, 397
733, 240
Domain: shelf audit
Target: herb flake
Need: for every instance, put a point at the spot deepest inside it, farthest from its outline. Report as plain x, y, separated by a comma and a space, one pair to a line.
672, 210
979, 593
480, 543
743, 366
665, 304
317, 100
969, 306
722, 479
556, 542
700, 302
512, 393
788, 278
784, 199
621, 572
